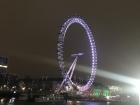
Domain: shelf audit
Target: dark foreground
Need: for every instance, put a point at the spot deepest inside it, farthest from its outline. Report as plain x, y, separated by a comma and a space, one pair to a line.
74, 103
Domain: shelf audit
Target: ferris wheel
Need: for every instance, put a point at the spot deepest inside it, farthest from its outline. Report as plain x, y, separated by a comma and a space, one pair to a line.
67, 76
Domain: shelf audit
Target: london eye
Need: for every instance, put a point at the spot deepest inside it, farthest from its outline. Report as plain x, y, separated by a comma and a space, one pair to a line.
67, 76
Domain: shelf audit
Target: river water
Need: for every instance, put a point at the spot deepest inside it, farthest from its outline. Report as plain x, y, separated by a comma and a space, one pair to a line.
74, 103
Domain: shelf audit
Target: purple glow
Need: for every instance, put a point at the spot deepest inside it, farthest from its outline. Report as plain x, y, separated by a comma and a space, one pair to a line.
60, 48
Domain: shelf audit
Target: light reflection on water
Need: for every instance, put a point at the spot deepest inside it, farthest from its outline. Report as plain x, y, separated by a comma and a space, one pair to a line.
108, 103
86, 103
97, 103
72, 103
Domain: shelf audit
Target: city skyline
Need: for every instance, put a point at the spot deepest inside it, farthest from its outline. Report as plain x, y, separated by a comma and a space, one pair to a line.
29, 33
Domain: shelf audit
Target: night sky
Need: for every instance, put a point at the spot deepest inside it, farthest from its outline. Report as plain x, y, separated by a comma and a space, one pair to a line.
29, 31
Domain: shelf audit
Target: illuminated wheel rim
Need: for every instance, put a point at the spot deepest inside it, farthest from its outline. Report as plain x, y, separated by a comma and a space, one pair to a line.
60, 48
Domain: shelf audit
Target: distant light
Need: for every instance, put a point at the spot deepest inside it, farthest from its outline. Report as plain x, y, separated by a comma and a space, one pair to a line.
107, 97
136, 83
14, 87
67, 88
115, 88
23, 88
4, 66
12, 100
108, 103
4, 86
128, 96
2, 100
78, 102
69, 102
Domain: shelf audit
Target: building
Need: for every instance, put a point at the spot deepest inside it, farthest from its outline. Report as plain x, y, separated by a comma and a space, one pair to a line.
3, 69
